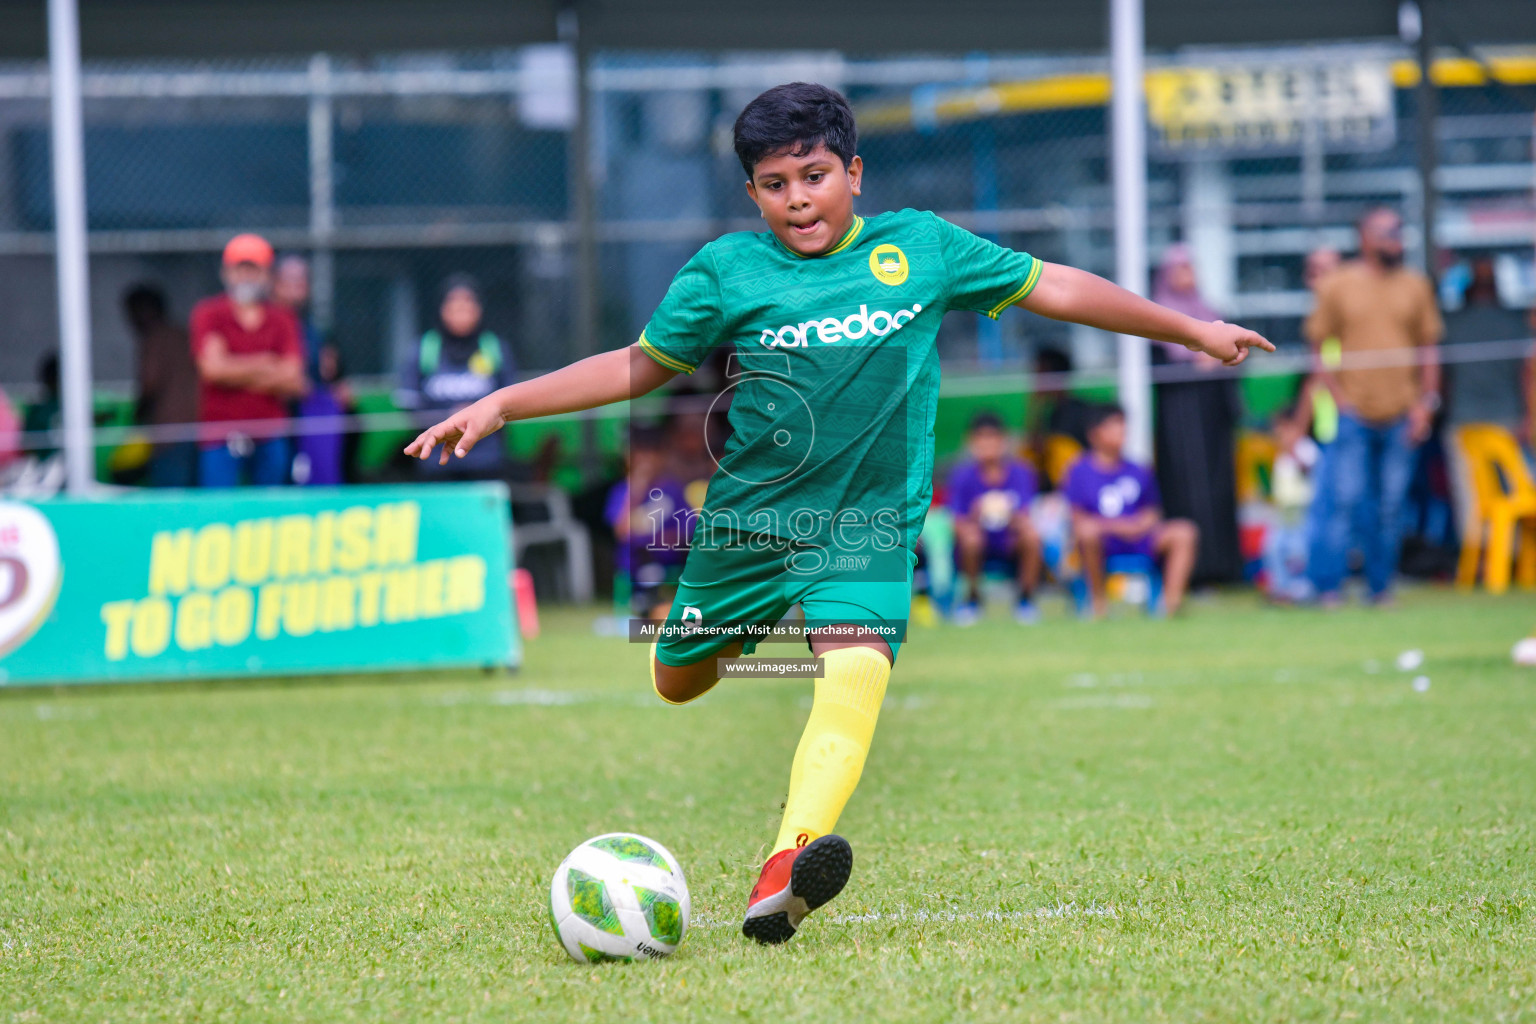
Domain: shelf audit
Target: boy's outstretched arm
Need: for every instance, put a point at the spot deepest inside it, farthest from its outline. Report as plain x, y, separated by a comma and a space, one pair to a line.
597, 380
1066, 293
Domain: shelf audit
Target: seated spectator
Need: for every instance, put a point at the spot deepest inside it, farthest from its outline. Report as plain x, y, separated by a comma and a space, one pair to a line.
989, 495
1484, 390
250, 365
652, 523
691, 437
1481, 390
1053, 411
1116, 510
458, 362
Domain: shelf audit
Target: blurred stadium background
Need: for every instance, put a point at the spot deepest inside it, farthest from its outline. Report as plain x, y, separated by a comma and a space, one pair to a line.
395, 168
573, 155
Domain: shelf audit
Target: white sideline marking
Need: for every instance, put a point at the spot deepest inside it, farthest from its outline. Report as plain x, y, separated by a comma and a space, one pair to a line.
535, 697
943, 916
62, 713
540, 698
1108, 700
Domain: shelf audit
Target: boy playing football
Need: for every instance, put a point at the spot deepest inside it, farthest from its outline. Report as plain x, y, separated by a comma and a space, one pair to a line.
820, 493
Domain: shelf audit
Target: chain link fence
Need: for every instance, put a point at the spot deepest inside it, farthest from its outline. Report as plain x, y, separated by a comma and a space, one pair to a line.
395, 173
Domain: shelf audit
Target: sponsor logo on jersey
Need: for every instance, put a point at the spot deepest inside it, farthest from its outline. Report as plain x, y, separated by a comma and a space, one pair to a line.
30, 573
852, 327
888, 264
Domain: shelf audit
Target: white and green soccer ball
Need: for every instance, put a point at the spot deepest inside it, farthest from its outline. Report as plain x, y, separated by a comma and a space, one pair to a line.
619, 897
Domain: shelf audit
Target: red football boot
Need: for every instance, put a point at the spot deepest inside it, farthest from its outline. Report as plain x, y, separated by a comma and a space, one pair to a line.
794, 883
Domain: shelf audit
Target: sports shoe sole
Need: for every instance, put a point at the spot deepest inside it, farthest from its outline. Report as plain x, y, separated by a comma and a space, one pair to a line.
819, 873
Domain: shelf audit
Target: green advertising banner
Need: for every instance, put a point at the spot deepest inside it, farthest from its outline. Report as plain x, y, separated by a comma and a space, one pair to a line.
179, 584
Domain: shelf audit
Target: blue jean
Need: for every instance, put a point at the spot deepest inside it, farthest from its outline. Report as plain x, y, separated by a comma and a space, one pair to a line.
267, 464
1369, 468
174, 465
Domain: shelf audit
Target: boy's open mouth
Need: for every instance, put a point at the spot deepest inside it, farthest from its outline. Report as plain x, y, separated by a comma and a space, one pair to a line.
806, 229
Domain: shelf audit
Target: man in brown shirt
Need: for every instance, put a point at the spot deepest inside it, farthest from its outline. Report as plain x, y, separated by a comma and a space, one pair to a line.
1387, 325
167, 385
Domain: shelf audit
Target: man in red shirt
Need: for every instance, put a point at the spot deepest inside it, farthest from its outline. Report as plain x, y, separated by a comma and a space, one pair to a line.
250, 365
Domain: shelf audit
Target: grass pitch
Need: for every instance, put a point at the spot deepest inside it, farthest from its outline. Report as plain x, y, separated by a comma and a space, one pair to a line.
1246, 814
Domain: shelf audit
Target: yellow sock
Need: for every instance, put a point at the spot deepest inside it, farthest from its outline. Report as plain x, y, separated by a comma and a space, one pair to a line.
832, 749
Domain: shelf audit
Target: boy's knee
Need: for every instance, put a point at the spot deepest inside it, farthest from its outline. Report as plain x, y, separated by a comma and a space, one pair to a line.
1027, 537
1183, 532
676, 684
664, 684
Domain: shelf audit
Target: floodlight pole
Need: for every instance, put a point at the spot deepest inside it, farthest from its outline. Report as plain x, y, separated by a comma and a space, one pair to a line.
1127, 45
70, 253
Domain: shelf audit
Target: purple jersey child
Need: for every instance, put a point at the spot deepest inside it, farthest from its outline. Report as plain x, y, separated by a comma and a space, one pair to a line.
989, 495
656, 534
993, 502
1119, 492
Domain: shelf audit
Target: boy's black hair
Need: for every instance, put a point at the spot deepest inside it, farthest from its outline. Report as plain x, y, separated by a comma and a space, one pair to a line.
795, 119
1102, 412
985, 420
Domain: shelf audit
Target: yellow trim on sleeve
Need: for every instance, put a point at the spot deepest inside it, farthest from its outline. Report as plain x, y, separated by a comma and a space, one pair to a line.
1028, 286
670, 362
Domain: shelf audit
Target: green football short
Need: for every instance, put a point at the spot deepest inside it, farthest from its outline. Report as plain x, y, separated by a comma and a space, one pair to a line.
725, 596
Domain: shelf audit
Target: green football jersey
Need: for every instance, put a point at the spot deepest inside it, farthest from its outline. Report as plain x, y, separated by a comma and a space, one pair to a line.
833, 374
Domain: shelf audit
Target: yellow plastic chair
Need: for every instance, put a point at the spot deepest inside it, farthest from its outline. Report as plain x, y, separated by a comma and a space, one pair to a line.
1255, 458
1503, 498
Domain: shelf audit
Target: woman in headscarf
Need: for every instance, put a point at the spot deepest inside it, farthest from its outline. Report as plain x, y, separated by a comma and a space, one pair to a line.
1197, 414
457, 362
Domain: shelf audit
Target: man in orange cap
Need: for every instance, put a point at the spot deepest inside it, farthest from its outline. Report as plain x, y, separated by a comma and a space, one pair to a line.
250, 365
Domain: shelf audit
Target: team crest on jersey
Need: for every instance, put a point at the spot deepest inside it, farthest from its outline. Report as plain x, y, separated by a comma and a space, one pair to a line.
888, 264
